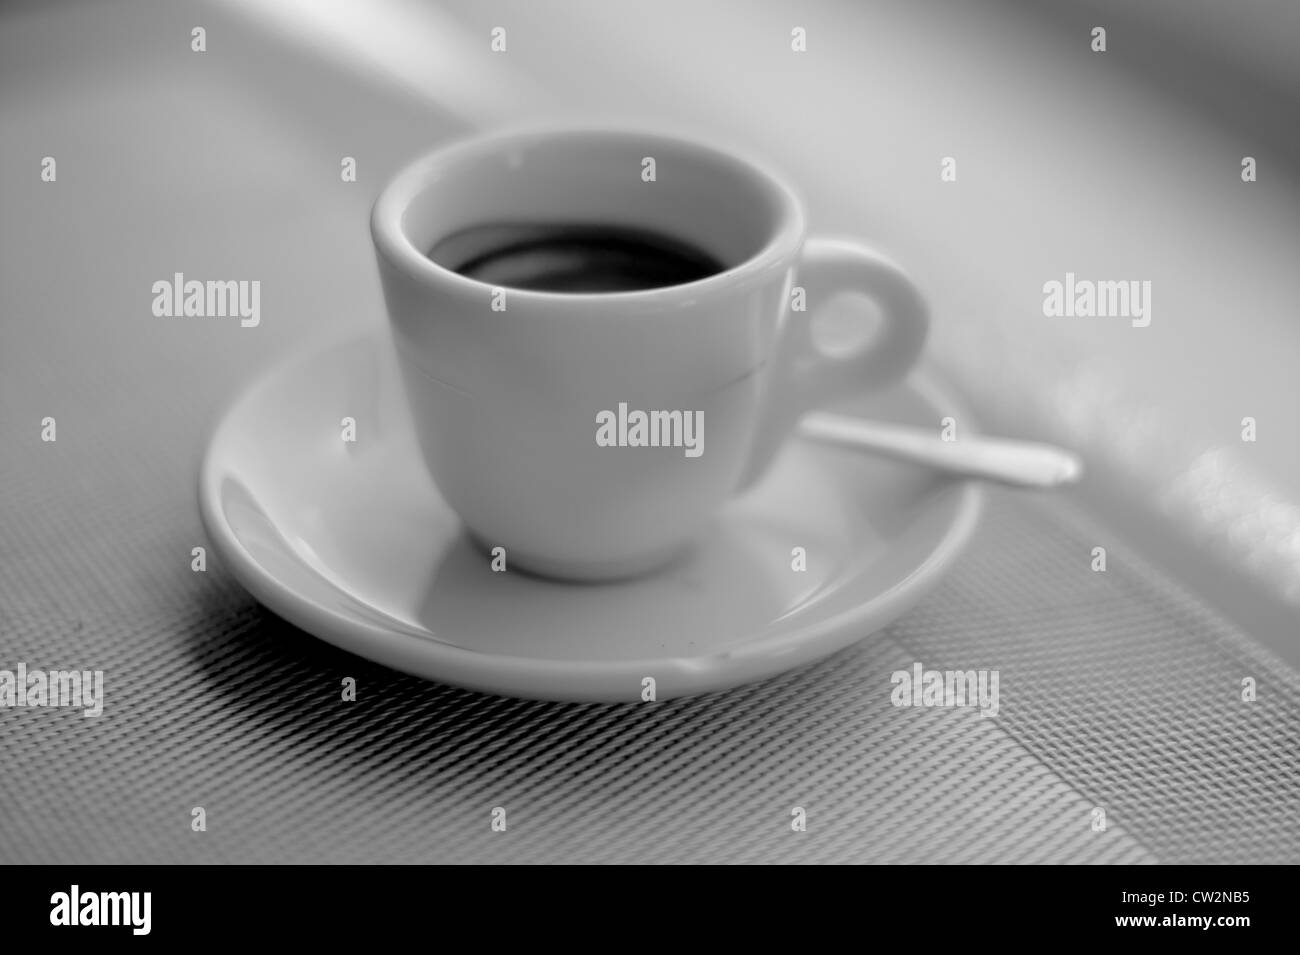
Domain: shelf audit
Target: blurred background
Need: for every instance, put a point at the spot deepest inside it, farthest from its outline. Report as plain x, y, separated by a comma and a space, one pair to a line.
1122, 164
1117, 165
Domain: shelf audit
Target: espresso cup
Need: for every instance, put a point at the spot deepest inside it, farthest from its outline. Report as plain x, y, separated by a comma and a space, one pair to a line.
592, 435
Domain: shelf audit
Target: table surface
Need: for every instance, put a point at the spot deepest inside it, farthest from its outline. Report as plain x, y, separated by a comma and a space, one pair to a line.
1120, 690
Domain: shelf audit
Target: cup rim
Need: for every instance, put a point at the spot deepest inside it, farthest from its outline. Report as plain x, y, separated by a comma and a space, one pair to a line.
391, 240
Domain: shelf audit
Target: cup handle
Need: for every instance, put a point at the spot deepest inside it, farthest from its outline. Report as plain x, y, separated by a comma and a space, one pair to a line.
805, 378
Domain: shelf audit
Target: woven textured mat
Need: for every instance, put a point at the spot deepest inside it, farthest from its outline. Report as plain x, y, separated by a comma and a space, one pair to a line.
1116, 692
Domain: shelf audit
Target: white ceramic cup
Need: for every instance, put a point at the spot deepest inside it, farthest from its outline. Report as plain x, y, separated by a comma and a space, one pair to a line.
509, 389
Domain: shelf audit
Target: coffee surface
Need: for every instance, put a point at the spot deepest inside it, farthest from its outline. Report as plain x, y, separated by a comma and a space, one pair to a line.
573, 258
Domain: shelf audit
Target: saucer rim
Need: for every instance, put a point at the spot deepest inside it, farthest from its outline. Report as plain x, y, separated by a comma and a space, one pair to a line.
426, 655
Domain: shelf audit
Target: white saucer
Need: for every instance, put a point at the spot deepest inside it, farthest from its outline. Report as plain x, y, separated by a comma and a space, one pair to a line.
352, 543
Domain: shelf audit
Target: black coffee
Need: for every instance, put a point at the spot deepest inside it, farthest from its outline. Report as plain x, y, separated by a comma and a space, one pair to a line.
573, 258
